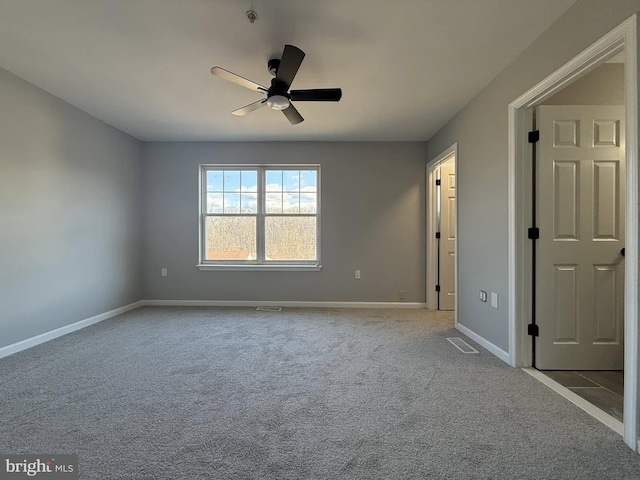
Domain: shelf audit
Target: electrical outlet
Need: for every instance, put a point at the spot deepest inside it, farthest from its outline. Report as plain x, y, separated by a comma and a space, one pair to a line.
164, 272
483, 296
357, 274
402, 295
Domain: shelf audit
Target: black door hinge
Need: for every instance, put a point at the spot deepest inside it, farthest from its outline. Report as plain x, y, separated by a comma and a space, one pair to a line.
533, 233
437, 288
533, 329
534, 136
438, 182
437, 234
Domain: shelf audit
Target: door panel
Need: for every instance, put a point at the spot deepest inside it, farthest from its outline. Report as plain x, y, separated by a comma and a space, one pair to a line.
580, 212
605, 291
606, 201
566, 205
566, 311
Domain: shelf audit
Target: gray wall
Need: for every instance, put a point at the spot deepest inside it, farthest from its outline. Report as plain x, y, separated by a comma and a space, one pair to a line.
70, 226
372, 219
481, 132
602, 86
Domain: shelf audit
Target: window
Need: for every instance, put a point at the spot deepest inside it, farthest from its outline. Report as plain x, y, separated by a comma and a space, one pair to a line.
259, 216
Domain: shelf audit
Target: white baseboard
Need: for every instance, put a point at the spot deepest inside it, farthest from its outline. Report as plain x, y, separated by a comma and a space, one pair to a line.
611, 422
58, 332
497, 351
272, 303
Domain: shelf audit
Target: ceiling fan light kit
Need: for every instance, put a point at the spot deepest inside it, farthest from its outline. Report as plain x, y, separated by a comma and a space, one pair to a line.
278, 95
278, 102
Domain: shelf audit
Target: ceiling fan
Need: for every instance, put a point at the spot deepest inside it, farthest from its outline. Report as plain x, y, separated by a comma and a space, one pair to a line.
278, 95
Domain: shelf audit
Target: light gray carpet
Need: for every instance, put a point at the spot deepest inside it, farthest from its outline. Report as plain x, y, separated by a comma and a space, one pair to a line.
231, 393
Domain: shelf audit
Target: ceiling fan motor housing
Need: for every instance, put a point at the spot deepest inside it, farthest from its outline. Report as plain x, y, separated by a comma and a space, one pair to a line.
278, 87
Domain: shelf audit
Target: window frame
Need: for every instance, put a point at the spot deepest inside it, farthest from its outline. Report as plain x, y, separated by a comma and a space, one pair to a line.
260, 263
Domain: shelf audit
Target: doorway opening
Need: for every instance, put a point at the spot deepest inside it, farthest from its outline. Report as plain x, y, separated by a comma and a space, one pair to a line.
579, 196
621, 41
441, 231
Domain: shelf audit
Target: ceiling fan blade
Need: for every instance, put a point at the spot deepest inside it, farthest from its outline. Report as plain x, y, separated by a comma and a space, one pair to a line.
289, 64
317, 95
237, 79
249, 108
292, 115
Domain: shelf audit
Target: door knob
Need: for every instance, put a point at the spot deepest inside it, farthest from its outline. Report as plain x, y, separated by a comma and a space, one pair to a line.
622, 252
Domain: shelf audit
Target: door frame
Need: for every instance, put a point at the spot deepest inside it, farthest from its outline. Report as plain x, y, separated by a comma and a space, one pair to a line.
431, 223
623, 37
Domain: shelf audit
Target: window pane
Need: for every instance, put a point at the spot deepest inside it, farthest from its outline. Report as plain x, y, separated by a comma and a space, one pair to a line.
274, 202
230, 238
214, 181
291, 203
291, 180
231, 203
273, 180
308, 203
309, 180
249, 203
231, 180
290, 238
214, 203
249, 180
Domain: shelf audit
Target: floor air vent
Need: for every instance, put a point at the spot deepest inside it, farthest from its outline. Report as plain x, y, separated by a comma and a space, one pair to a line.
269, 309
461, 345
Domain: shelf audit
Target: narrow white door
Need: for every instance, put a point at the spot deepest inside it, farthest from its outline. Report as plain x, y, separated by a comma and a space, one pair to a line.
580, 203
446, 260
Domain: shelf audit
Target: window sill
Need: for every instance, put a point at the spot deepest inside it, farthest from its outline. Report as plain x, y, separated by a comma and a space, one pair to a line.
261, 268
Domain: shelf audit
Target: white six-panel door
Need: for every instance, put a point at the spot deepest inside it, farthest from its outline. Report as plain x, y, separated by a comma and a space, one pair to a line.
580, 202
447, 237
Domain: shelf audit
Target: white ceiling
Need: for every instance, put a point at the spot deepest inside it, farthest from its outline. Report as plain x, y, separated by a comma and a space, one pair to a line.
405, 66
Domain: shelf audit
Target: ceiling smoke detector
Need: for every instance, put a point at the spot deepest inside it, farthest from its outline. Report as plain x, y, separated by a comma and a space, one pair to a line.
251, 15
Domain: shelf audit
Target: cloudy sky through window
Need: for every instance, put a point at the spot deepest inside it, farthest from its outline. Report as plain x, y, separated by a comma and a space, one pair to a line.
287, 191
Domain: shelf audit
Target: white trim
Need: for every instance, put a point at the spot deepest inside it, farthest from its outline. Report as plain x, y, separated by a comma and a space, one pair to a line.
611, 422
623, 37
497, 351
519, 257
289, 267
275, 303
632, 247
431, 250
59, 332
